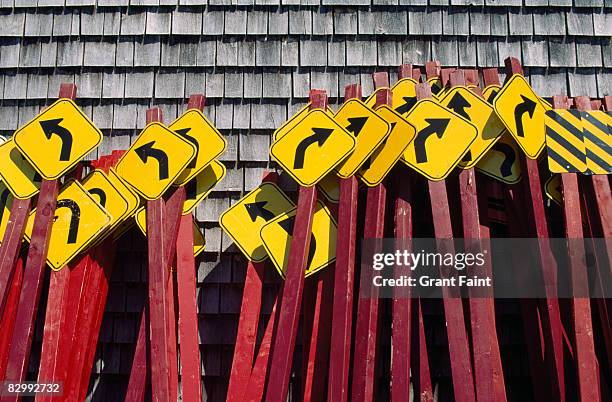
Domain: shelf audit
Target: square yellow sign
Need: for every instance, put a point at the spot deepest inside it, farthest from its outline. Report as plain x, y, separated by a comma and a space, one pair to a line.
390, 151
476, 110
80, 219
58, 138
199, 242
20, 177
369, 129
313, 148
243, 220
195, 127
202, 184
276, 236
522, 112
443, 137
155, 160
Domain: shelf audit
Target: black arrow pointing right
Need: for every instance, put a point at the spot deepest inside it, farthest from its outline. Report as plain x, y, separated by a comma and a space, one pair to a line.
51, 127
509, 157
436, 126
75, 218
356, 125
183, 133
100, 193
527, 106
146, 150
257, 209
458, 104
319, 135
409, 102
288, 225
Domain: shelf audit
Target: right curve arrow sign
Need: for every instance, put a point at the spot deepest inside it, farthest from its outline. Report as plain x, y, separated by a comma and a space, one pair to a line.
435, 126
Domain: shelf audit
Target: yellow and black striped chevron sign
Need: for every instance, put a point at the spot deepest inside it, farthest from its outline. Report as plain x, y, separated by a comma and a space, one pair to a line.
578, 142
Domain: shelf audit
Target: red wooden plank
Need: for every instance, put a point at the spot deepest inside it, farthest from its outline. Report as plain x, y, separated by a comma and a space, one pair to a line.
488, 373
11, 245
139, 374
458, 345
586, 361
250, 309
257, 380
419, 358
402, 302
535, 219
288, 317
342, 314
186, 290
366, 325
7, 318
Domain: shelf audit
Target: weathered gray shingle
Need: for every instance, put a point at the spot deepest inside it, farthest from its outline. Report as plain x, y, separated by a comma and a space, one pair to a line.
12, 24
236, 22
535, 52
562, 53
267, 53
186, 23
588, 54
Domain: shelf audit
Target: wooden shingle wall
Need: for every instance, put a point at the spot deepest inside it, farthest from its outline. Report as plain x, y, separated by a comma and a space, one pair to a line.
255, 61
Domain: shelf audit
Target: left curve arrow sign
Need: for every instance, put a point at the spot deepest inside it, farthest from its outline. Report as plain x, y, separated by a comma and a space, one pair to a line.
146, 150
75, 218
53, 126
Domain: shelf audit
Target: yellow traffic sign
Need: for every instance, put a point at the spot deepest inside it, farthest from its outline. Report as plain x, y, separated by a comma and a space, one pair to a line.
132, 198
376, 168
522, 112
329, 186
565, 141
243, 220
116, 200
552, 188
202, 184
403, 96
443, 138
294, 120
276, 237
6, 202
155, 160
199, 243
598, 141
79, 219
369, 129
313, 148
475, 109
58, 138
436, 85
502, 161
20, 177
195, 127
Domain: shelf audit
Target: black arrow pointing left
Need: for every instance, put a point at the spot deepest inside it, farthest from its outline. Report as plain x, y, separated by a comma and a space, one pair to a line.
288, 225
458, 104
257, 209
183, 133
146, 150
527, 106
101, 195
318, 136
435, 126
51, 127
75, 218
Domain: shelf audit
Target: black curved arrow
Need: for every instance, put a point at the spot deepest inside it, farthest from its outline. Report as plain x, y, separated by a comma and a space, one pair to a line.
458, 103
146, 150
436, 126
257, 209
183, 133
100, 193
356, 125
288, 225
509, 157
191, 189
527, 106
409, 102
319, 136
3, 200
75, 217
51, 127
